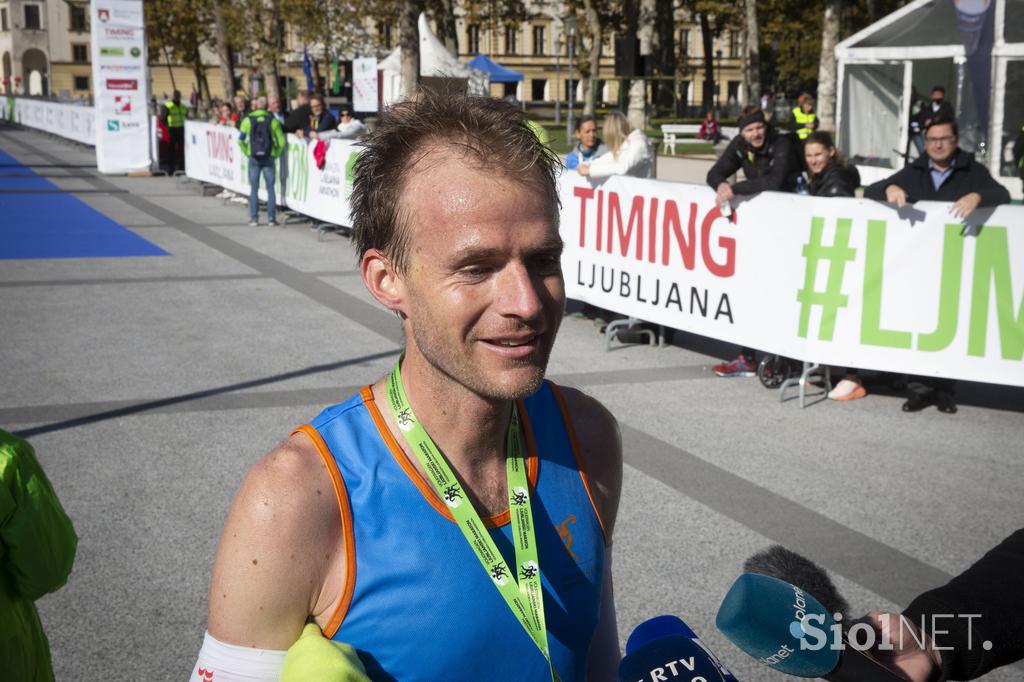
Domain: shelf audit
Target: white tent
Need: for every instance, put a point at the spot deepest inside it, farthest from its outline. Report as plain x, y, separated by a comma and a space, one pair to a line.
974, 48
435, 62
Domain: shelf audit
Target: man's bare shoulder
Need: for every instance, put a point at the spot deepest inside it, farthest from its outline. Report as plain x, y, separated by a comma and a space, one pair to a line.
281, 535
600, 445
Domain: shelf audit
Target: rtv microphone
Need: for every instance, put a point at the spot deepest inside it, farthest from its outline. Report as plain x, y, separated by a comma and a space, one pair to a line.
669, 626
668, 657
789, 630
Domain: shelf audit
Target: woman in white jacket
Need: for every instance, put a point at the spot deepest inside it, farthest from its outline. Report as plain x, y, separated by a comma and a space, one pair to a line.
630, 152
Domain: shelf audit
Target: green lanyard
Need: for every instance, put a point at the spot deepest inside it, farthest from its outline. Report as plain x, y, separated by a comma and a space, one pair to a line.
524, 596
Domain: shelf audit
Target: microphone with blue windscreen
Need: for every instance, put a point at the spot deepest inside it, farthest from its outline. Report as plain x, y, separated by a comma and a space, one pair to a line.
671, 626
789, 630
674, 658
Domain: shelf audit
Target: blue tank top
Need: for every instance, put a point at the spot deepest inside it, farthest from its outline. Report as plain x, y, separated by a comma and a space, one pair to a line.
418, 605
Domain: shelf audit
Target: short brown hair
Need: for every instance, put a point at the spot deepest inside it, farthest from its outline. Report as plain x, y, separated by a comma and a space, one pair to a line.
491, 133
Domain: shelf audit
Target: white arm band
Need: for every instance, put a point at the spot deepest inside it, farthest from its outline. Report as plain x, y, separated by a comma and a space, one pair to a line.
220, 662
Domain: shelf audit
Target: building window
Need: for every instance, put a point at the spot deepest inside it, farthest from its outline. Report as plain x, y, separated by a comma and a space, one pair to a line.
384, 33
733, 91
537, 87
538, 40
684, 43
511, 40
81, 82
80, 53
78, 18
32, 17
3, 19
473, 39
734, 44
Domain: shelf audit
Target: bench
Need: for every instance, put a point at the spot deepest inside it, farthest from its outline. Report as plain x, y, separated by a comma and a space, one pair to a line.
671, 132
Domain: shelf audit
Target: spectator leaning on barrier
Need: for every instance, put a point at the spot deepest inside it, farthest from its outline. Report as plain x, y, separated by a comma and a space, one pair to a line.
349, 128
298, 118
769, 162
37, 550
241, 105
588, 144
262, 140
629, 151
176, 115
944, 173
829, 176
320, 120
227, 116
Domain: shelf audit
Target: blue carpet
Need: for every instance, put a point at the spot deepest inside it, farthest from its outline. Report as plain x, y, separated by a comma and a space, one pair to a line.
55, 224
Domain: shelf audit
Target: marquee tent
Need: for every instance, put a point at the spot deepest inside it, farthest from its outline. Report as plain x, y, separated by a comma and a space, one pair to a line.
973, 48
497, 72
436, 62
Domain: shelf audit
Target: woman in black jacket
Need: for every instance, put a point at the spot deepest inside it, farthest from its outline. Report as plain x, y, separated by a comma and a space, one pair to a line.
829, 175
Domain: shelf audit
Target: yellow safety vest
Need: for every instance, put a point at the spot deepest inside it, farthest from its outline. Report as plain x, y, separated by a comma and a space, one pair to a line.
804, 122
176, 115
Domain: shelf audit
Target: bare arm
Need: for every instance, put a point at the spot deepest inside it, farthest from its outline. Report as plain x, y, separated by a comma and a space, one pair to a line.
279, 541
600, 446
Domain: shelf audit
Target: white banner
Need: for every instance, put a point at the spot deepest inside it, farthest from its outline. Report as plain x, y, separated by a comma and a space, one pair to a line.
364, 84
212, 155
73, 121
846, 282
120, 85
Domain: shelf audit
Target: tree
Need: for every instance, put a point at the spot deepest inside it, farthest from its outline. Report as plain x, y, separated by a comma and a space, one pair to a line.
753, 52
177, 29
409, 42
224, 48
335, 26
827, 65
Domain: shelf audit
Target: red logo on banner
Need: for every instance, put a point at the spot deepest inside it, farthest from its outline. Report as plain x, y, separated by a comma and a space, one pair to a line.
122, 104
205, 675
122, 84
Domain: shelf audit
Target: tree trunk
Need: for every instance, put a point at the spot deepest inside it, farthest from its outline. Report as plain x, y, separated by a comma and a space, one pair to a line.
593, 21
707, 37
224, 52
270, 81
753, 69
665, 57
409, 41
827, 66
646, 36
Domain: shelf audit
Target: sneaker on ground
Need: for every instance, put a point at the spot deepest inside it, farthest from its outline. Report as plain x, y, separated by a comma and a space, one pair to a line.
254, 223
847, 389
272, 223
740, 367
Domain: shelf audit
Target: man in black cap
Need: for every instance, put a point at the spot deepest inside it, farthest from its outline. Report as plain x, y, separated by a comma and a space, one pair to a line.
770, 162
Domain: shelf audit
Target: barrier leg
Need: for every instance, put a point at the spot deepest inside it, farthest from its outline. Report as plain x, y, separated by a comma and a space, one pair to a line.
801, 382
614, 327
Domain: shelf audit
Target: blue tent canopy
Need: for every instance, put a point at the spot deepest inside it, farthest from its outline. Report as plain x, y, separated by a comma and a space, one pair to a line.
497, 72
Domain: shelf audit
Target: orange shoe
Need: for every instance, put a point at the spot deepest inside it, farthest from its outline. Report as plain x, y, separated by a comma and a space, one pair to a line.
847, 389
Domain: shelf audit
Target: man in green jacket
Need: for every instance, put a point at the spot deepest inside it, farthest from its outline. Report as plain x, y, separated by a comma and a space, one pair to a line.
37, 549
262, 140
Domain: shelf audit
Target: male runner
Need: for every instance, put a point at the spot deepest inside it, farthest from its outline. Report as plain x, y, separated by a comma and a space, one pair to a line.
425, 520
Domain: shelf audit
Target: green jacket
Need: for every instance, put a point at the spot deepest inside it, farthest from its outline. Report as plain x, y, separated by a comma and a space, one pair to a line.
37, 549
276, 133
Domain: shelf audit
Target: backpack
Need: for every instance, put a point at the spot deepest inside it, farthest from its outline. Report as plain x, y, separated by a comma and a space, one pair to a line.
260, 144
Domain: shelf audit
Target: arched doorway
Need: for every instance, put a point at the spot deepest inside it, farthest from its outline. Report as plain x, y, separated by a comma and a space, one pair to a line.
6, 77
35, 78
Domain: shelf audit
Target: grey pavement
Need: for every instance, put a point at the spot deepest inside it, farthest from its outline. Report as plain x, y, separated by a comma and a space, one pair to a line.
149, 385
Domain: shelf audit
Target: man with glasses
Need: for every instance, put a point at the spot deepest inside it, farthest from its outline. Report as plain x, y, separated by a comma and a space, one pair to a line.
320, 120
944, 173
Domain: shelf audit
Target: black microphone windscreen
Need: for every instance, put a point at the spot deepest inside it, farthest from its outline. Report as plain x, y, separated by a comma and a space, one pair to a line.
779, 562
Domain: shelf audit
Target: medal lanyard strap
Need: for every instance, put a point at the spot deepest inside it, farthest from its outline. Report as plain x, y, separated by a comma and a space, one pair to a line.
524, 595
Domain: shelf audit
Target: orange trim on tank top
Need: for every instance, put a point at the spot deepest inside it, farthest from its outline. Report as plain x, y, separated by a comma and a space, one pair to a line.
341, 493
532, 461
560, 399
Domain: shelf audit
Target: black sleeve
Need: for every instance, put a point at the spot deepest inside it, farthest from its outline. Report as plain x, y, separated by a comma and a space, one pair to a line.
993, 589
982, 182
1018, 148
901, 179
782, 167
293, 122
727, 165
328, 122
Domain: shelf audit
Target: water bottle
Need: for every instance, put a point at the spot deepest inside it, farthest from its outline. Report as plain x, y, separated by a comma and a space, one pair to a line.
572, 161
802, 186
